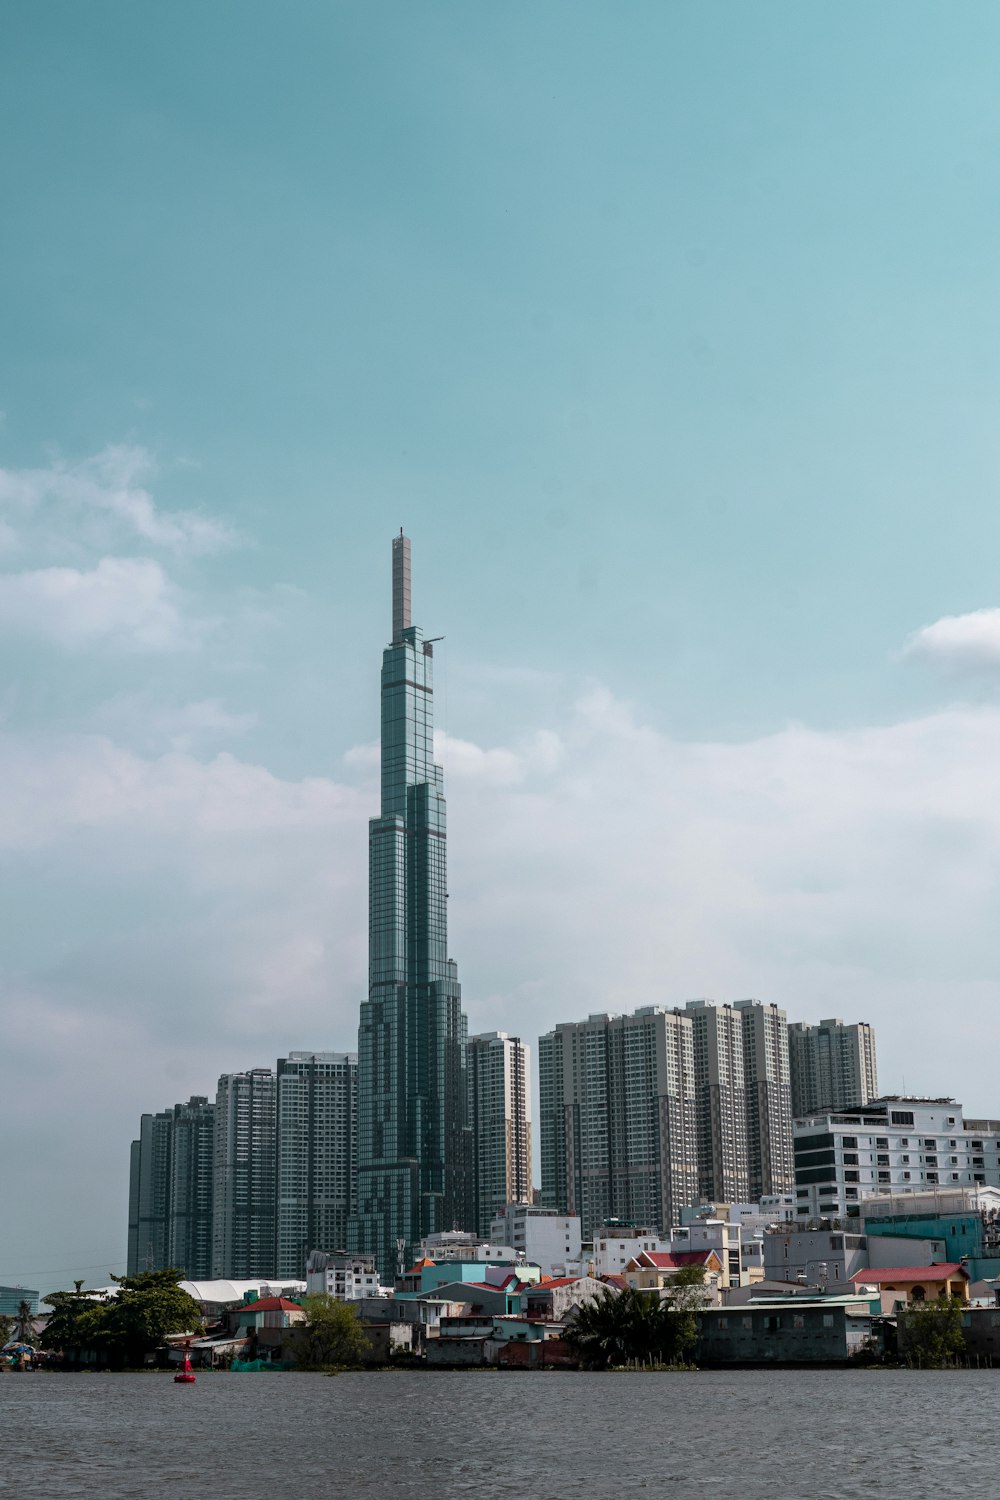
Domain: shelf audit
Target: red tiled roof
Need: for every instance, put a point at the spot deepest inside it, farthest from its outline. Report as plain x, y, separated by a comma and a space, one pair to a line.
271, 1304
615, 1280
667, 1260
877, 1274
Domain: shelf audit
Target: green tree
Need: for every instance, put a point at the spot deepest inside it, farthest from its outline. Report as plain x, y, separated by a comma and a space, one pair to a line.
128, 1327
333, 1334
6, 1328
76, 1323
930, 1333
619, 1328
148, 1307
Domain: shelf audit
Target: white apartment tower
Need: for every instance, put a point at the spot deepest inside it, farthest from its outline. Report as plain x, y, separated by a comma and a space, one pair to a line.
500, 1117
316, 1115
832, 1066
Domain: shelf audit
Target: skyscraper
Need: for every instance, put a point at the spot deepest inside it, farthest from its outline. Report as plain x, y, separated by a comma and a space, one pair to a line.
617, 1118
243, 1200
833, 1066
191, 1187
744, 1099
413, 1135
149, 1194
500, 1118
170, 1191
317, 1162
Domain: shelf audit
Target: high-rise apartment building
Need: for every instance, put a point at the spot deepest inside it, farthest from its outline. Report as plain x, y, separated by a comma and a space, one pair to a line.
149, 1195
617, 1118
191, 1188
744, 1100
500, 1120
833, 1066
767, 1088
720, 1092
413, 1136
316, 1154
170, 1191
243, 1241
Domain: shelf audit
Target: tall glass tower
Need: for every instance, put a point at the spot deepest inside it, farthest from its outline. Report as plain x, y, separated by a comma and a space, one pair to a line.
414, 1151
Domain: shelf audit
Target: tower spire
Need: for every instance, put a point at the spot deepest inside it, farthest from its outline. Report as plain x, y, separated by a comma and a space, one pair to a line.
400, 586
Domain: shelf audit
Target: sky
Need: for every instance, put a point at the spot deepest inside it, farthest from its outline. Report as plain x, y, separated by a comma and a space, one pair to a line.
671, 334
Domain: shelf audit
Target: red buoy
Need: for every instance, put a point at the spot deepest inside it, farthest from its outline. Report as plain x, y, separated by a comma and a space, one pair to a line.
185, 1375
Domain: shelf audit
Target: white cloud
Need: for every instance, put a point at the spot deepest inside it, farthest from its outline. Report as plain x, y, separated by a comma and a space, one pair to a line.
128, 601
960, 643
111, 484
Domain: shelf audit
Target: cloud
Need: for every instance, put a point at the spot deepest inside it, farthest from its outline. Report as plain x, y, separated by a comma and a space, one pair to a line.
967, 643
111, 484
125, 601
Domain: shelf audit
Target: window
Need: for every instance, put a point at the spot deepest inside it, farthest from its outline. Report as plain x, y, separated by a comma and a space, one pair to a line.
883, 1158
852, 1177
929, 1145
798, 1320
882, 1141
905, 1160
901, 1117
906, 1176
932, 1177
828, 1320
885, 1177
849, 1142
850, 1158
748, 1322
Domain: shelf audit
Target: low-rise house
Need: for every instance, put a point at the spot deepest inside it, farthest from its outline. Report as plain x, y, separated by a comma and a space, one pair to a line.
656, 1270
485, 1297
557, 1297
915, 1283
269, 1312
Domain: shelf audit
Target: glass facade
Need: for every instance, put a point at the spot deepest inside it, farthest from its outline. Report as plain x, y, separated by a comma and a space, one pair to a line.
413, 1137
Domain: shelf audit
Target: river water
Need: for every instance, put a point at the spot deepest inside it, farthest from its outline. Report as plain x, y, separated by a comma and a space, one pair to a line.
783, 1435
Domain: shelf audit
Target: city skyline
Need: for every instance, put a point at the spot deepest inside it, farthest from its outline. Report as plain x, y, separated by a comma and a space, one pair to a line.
682, 375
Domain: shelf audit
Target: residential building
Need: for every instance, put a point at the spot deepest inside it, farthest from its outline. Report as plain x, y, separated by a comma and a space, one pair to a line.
500, 1121
743, 1099
817, 1257
768, 1096
149, 1194
243, 1240
615, 1244
718, 1235
658, 1270
171, 1190
316, 1114
945, 1224
894, 1144
832, 1066
463, 1244
192, 1166
617, 1118
539, 1235
720, 1101
915, 1283
414, 1145
347, 1278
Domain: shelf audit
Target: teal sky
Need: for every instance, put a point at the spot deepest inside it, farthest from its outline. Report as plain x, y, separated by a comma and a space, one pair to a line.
670, 332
